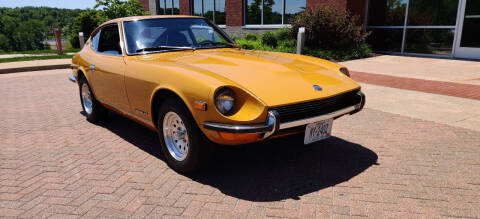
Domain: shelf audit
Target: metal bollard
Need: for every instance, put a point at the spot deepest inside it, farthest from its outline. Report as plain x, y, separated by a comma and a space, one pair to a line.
300, 39
81, 39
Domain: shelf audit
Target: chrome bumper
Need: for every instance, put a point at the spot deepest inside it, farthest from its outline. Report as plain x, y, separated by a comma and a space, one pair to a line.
73, 79
272, 126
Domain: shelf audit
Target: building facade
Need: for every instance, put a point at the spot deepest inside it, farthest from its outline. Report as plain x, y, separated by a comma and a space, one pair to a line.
438, 28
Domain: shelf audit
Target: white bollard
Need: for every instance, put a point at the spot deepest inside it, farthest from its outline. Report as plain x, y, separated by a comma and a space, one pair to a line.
300, 39
81, 39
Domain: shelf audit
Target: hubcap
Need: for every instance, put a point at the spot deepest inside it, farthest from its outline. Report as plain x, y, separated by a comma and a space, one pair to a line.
86, 98
176, 136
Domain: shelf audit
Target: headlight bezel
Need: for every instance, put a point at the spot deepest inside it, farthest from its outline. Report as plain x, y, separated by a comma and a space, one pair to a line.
345, 71
226, 93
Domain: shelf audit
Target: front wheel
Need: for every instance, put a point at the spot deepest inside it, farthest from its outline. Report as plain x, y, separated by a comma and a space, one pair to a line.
185, 147
94, 111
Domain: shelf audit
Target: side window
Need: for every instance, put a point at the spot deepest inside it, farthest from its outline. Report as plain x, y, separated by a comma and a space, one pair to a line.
95, 40
109, 42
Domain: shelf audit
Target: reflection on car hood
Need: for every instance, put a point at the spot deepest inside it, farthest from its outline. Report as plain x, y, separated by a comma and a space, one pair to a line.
275, 78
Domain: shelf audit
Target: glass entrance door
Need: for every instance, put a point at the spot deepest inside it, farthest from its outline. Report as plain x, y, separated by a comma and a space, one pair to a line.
468, 40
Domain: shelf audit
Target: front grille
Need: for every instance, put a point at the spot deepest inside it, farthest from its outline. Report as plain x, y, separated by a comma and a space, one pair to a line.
318, 107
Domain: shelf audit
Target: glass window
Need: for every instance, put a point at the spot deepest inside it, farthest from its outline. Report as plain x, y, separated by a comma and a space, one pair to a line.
432, 12
471, 25
150, 34
214, 10
176, 7
161, 7
220, 12
197, 8
387, 12
292, 8
168, 7
254, 12
95, 40
430, 41
272, 11
109, 42
208, 9
386, 39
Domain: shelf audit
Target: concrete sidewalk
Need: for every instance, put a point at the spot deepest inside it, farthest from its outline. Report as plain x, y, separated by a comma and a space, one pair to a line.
422, 88
448, 70
37, 65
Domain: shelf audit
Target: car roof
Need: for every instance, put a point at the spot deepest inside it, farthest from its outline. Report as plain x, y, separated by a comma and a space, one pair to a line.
148, 17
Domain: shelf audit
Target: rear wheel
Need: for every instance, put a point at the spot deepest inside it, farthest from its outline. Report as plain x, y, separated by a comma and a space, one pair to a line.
185, 147
94, 111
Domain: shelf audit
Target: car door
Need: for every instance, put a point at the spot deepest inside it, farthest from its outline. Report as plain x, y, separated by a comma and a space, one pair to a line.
108, 68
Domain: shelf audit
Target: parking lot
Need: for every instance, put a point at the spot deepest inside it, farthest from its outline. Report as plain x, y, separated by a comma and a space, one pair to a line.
377, 164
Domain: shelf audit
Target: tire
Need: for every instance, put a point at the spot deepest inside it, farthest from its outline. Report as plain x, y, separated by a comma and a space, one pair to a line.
185, 147
93, 110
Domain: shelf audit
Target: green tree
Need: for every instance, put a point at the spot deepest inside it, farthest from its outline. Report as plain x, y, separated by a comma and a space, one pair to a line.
87, 21
111, 9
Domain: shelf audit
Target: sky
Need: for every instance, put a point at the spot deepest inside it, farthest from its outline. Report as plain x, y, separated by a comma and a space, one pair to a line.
72, 4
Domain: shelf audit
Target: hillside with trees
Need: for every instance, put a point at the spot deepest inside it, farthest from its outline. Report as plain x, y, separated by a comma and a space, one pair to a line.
25, 28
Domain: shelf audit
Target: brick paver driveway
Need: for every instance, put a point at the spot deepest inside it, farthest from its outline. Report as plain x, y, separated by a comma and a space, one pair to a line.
54, 163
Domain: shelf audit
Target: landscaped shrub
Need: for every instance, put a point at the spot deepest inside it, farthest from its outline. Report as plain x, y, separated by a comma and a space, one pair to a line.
329, 29
268, 39
284, 40
283, 34
251, 36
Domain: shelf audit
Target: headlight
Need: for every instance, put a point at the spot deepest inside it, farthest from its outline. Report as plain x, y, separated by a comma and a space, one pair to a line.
345, 71
225, 100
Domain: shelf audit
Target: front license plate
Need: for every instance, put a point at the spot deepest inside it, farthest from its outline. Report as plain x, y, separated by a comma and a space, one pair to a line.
318, 131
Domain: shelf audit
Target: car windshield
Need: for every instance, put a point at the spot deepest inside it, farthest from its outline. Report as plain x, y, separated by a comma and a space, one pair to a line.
167, 34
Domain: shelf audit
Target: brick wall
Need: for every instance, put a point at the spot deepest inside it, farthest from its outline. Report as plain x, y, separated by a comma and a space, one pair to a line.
234, 12
356, 7
338, 4
145, 4
185, 7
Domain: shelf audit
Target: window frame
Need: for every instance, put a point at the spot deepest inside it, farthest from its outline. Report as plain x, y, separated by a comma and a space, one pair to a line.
262, 24
192, 10
165, 7
99, 31
406, 27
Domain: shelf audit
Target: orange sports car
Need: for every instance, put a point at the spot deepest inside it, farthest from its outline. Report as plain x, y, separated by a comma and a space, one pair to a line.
183, 77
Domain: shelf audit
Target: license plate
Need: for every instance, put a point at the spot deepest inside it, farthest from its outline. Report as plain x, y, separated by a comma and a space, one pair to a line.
318, 131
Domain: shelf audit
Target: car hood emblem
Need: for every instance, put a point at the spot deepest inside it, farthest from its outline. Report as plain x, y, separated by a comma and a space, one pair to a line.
317, 87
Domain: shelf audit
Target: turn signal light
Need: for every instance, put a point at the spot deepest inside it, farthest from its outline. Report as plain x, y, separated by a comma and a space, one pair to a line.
250, 137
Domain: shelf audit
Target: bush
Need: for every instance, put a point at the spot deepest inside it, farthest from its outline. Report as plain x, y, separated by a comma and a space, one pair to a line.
283, 34
251, 36
329, 29
268, 39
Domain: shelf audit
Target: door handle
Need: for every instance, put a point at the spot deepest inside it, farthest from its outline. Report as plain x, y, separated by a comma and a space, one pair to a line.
92, 67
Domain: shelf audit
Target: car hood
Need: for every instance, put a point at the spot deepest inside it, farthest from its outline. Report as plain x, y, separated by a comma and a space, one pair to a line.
275, 78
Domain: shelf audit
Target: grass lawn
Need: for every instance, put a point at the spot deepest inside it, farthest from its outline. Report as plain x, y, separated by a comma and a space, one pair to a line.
40, 51
19, 59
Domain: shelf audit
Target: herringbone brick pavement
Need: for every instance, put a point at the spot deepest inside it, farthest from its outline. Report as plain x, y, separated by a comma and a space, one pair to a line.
53, 163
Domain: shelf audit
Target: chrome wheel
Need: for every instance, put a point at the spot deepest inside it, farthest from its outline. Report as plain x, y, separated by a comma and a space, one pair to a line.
175, 136
87, 98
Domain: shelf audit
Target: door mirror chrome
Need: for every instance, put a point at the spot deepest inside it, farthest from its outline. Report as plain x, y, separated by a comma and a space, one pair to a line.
92, 68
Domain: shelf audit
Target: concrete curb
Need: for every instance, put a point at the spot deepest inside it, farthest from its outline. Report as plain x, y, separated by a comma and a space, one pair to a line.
33, 68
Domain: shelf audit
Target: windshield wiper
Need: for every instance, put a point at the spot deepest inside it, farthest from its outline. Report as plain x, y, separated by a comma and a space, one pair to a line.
233, 45
155, 48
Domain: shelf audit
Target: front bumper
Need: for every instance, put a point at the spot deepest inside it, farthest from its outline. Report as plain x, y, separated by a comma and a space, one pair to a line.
273, 125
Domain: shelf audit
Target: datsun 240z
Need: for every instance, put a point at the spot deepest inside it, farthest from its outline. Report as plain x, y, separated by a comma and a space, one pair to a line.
183, 77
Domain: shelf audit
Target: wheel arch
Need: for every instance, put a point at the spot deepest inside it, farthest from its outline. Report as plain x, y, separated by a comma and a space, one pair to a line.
159, 97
